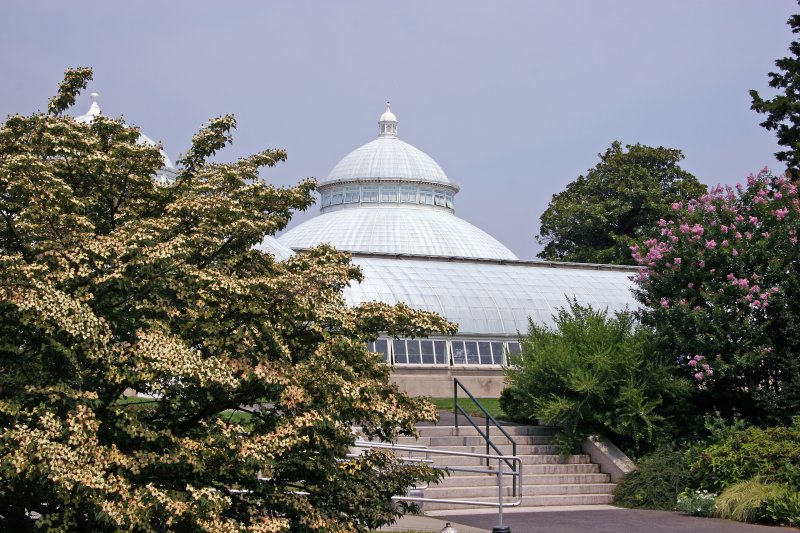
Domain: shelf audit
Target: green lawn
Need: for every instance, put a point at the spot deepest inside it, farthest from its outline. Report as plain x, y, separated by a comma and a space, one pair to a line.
135, 402
490, 404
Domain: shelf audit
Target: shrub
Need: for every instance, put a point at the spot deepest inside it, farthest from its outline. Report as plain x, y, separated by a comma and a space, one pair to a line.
696, 502
771, 454
515, 407
721, 288
784, 508
594, 375
656, 483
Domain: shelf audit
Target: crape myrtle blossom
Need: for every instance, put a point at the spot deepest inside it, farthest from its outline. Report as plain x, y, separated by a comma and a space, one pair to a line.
720, 286
700, 367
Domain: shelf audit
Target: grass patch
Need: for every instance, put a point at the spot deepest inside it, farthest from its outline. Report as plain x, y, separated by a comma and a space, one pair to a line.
136, 402
490, 404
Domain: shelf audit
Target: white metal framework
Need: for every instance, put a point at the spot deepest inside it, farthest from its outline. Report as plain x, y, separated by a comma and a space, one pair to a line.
445, 352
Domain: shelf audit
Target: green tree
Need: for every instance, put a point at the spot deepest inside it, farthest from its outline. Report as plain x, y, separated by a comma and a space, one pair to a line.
593, 374
721, 288
255, 369
783, 110
600, 215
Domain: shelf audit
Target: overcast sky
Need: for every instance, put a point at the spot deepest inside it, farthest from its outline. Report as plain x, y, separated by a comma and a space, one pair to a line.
513, 99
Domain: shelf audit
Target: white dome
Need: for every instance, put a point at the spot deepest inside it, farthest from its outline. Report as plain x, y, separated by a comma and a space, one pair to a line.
404, 230
387, 158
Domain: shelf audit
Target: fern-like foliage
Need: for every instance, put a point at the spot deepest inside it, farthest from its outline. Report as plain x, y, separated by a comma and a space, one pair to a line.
593, 373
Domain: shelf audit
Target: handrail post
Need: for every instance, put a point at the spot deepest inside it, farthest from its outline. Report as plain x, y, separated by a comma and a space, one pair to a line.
515, 468
500, 528
487, 441
455, 403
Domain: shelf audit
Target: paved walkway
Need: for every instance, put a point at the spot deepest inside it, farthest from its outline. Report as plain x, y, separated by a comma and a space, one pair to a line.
608, 521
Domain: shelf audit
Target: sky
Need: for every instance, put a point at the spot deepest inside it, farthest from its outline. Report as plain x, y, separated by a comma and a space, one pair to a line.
514, 99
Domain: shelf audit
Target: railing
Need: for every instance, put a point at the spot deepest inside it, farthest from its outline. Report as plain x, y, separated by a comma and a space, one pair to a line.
501, 503
489, 418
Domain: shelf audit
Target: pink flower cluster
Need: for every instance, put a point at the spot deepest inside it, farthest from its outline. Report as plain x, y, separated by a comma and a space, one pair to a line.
755, 297
702, 370
656, 250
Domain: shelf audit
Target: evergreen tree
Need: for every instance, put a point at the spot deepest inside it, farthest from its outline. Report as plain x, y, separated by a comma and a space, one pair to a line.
783, 110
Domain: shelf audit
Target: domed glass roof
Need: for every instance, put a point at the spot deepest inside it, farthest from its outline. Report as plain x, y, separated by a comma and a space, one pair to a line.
404, 230
387, 158
401, 203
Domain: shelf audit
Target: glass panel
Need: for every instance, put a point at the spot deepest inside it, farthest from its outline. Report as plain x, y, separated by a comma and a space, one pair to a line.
449, 199
408, 195
438, 197
399, 349
441, 352
389, 194
426, 196
369, 194
426, 348
337, 197
351, 195
326, 198
486, 352
459, 354
413, 352
498, 353
513, 347
381, 345
472, 352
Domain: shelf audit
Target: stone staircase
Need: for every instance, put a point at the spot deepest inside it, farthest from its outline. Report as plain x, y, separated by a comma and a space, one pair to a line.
548, 478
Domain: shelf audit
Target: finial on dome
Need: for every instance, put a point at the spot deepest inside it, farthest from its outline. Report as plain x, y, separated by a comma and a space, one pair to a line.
94, 109
387, 123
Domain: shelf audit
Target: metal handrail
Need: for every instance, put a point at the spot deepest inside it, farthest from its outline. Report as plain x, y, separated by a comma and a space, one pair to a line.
516, 473
489, 417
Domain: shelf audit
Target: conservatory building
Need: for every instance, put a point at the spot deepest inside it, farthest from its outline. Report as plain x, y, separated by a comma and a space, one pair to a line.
393, 208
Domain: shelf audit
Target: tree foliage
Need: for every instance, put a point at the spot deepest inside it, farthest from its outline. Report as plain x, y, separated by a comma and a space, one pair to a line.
721, 287
594, 375
618, 202
109, 282
783, 110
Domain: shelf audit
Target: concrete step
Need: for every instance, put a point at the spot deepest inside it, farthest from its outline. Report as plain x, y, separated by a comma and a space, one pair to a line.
505, 449
526, 459
469, 493
531, 501
464, 479
560, 469
474, 440
442, 431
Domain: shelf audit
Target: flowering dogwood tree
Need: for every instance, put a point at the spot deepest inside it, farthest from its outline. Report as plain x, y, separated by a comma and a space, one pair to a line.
255, 369
721, 286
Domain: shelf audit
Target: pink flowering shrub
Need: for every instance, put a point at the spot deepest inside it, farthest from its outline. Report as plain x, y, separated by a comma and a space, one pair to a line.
721, 288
